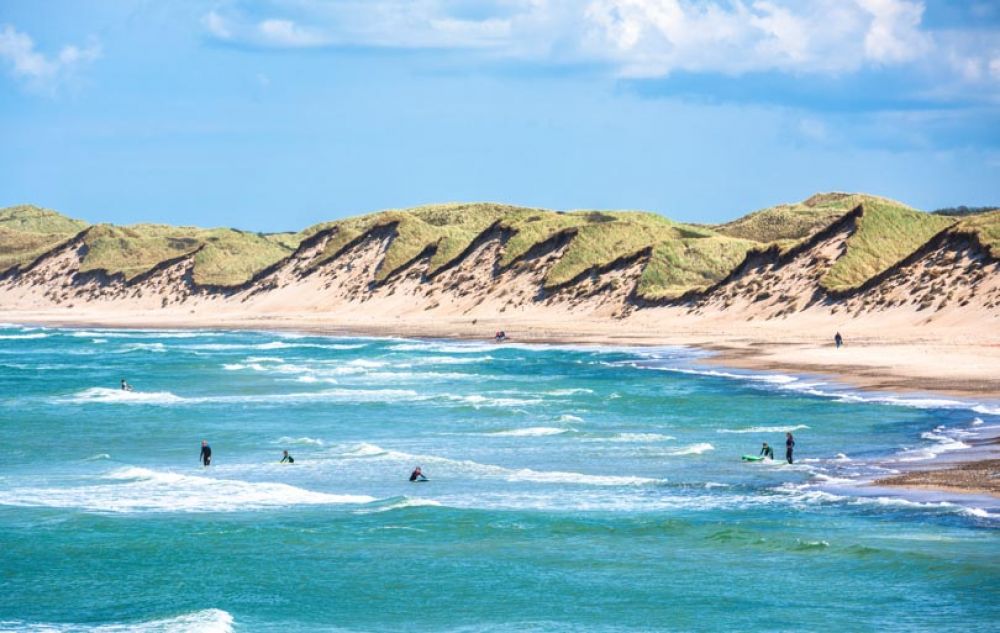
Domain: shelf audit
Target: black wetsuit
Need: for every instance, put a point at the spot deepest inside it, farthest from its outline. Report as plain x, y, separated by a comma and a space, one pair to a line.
288, 458
768, 452
789, 445
838, 340
206, 455
415, 476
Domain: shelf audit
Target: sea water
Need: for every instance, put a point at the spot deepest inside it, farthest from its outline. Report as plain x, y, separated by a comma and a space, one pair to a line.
571, 489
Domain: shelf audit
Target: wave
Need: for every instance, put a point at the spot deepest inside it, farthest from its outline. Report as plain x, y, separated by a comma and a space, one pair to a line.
205, 621
303, 441
399, 504
765, 429
534, 431
272, 345
117, 396
568, 392
106, 395
468, 468
477, 401
569, 418
632, 437
23, 337
133, 489
694, 449
988, 410
98, 456
142, 347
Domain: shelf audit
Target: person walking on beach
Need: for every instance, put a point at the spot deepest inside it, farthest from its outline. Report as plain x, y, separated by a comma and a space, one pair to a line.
206, 454
789, 446
287, 459
767, 451
838, 340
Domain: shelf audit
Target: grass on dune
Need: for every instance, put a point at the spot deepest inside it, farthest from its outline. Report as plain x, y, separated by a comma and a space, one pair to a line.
987, 227
679, 266
27, 231
226, 256
886, 233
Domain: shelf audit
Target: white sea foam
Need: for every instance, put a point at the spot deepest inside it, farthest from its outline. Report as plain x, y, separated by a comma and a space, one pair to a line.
478, 401
405, 502
206, 621
569, 418
694, 449
988, 410
97, 457
568, 392
105, 395
299, 440
117, 396
765, 429
977, 422
143, 347
133, 489
22, 337
471, 469
534, 431
632, 437
942, 444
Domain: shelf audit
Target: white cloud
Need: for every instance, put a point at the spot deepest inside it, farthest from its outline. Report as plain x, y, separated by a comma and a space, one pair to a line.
636, 38
36, 68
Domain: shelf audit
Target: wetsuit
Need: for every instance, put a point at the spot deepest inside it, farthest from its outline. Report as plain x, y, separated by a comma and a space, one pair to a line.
839, 340
767, 452
288, 458
415, 476
789, 445
206, 455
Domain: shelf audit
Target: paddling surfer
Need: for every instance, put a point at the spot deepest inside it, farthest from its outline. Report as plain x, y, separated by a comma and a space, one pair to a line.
417, 475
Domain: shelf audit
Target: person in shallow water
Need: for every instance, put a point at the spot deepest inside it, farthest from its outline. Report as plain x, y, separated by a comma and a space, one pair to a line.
789, 446
126, 386
767, 451
287, 459
417, 475
206, 454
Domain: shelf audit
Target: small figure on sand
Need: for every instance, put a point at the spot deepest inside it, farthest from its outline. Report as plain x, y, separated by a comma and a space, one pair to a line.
417, 475
767, 452
838, 340
206, 454
500, 336
286, 458
126, 386
789, 446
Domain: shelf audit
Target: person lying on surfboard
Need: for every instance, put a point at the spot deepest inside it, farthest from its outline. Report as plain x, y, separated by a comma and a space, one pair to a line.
416, 475
767, 451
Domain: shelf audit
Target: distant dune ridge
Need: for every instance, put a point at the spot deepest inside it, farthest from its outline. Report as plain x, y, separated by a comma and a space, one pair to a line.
846, 254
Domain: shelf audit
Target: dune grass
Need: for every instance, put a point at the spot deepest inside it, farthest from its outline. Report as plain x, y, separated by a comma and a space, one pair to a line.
681, 265
225, 257
987, 227
886, 233
27, 232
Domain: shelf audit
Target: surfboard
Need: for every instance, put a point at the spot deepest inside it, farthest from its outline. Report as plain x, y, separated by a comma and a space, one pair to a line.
752, 458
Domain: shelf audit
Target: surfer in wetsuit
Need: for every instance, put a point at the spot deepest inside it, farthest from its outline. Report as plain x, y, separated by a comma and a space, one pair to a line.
416, 475
126, 386
789, 446
206, 454
286, 458
767, 451
838, 340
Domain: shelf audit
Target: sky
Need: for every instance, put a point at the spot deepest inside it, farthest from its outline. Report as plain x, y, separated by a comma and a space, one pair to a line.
272, 115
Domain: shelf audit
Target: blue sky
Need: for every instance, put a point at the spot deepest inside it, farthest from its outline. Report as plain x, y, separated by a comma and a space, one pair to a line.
272, 115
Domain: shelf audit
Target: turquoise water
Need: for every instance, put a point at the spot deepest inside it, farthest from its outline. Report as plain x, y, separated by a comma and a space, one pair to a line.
572, 489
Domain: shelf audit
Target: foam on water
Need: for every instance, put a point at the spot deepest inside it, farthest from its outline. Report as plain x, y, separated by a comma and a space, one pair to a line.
132, 489
206, 621
22, 337
694, 449
302, 441
765, 429
117, 396
534, 431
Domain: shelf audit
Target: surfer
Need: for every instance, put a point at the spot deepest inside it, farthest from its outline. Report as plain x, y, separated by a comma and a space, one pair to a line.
206, 454
126, 386
286, 458
767, 451
838, 340
789, 446
417, 475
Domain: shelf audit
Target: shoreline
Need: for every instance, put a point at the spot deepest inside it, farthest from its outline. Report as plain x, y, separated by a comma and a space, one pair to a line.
871, 370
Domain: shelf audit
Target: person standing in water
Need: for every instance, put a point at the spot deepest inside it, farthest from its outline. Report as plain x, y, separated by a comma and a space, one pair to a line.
417, 475
206, 454
838, 340
789, 446
126, 386
767, 451
286, 458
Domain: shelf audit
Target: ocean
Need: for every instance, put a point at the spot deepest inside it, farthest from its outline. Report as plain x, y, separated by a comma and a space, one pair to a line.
571, 489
